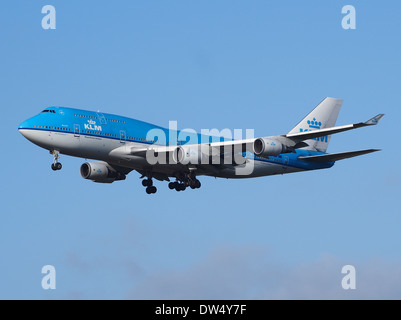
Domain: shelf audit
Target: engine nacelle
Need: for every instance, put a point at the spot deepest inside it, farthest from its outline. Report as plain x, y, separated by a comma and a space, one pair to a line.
264, 147
100, 172
190, 154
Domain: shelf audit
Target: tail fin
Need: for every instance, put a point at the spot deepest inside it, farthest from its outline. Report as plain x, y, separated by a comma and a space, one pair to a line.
323, 116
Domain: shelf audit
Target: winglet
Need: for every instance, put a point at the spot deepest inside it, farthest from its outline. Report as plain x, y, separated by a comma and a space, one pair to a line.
374, 120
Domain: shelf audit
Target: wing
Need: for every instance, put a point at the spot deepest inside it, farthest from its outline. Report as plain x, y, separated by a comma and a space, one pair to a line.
291, 141
337, 156
221, 149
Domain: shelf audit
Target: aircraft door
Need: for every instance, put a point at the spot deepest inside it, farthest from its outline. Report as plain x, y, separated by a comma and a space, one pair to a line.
101, 118
123, 137
285, 162
77, 130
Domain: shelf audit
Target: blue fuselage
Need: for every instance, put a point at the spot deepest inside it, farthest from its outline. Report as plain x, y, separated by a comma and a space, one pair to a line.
95, 135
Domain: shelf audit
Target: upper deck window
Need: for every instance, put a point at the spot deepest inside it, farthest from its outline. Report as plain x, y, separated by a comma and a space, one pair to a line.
85, 116
117, 121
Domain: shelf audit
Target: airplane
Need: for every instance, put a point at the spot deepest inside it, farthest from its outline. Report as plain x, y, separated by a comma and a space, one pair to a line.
121, 145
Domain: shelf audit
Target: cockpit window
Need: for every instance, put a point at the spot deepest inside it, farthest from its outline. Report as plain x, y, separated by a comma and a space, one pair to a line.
51, 111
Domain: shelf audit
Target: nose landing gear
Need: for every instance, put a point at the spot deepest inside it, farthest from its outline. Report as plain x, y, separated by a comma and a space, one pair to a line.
56, 165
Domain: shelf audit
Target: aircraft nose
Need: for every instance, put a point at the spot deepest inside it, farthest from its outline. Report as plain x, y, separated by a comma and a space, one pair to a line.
27, 129
23, 125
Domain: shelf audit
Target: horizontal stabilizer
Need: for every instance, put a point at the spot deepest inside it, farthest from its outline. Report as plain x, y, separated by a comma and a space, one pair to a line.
301, 136
337, 156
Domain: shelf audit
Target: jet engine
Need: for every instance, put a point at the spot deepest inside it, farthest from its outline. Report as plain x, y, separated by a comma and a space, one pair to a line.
100, 172
265, 147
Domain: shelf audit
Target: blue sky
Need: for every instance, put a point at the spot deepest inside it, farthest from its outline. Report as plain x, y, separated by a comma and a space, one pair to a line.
207, 64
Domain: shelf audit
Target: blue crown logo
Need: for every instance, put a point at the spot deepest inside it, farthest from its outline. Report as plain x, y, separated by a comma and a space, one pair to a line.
314, 124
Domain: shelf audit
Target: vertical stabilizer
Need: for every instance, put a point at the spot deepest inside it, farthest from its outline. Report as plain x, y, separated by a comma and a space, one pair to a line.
323, 116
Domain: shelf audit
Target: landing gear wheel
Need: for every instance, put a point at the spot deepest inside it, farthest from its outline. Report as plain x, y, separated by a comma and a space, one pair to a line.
171, 185
197, 184
56, 166
151, 189
147, 183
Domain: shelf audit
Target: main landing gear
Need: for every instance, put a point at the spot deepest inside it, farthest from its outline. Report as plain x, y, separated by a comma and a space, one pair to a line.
148, 183
184, 181
56, 165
